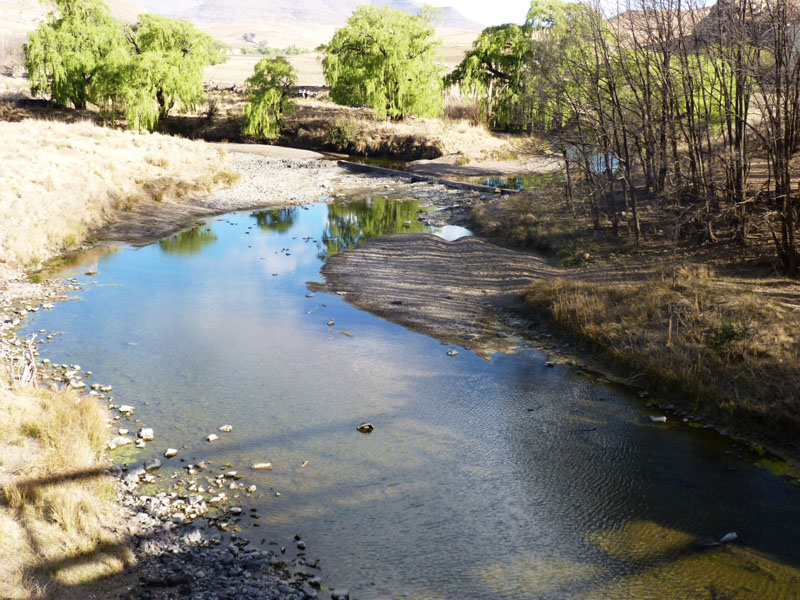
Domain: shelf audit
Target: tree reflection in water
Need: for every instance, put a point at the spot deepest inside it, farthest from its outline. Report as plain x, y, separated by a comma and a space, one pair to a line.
352, 223
189, 241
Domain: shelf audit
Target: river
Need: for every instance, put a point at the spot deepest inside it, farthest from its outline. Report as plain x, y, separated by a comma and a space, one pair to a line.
500, 478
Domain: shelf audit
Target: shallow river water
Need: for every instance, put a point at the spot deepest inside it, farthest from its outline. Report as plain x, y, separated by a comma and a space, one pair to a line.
482, 479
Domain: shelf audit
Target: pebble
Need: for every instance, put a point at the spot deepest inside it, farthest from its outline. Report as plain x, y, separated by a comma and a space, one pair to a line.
331, 323
170, 452
366, 428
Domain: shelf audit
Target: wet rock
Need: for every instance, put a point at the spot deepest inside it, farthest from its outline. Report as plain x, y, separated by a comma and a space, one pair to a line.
236, 510
140, 443
211, 437
340, 595
251, 489
170, 452
549, 364
126, 409
265, 466
331, 323
226, 428
366, 428
658, 419
153, 464
301, 545
452, 353
146, 434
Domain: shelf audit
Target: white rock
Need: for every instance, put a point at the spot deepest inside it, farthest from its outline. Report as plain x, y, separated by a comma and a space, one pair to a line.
226, 428
119, 441
122, 431
139, 443
262, 466
170, 452
146, 434
126, 409
452, 353
728, 537
211, 437
658, 419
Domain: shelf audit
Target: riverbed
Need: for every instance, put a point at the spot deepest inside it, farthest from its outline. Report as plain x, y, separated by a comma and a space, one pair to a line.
496, 476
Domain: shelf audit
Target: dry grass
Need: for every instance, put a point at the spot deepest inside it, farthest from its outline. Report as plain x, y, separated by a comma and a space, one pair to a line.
63, 181
710, 343
57, 507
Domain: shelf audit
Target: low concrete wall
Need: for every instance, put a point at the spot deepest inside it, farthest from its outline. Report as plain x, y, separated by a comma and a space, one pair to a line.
360, 168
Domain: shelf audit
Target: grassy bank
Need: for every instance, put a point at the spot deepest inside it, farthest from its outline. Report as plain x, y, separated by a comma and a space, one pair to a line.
689, 335
58, 520
63, 181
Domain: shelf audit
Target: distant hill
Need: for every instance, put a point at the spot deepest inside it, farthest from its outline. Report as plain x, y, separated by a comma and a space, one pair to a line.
328, 12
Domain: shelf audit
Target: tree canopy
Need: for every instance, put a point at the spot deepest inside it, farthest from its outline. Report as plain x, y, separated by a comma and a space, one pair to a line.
82, 55
268, 92
385, 59
511, 69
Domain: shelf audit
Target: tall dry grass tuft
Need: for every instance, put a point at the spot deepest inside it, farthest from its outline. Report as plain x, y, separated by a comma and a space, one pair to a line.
63, 181
57, 511
699, 338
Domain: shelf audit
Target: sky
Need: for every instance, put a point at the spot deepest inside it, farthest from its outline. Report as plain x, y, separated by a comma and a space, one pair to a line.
494, 12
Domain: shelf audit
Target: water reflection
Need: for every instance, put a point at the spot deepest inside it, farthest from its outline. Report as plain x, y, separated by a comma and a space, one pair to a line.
278, 220
189, 241
352, 223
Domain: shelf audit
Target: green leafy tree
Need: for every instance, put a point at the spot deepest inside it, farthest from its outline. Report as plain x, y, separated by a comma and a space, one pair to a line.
519, 72
165, 70
385, 59
268, 97
82, 55
74, 53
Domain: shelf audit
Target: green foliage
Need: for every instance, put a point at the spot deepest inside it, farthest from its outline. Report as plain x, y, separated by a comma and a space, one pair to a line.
268, 97
168, 59
82, 55
518, 72
341, 134
71, 56
385, 59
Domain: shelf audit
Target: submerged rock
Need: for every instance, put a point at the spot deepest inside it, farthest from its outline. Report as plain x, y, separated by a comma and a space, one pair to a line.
119, 441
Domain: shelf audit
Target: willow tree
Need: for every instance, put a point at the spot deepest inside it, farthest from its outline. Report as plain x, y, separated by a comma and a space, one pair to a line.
518, 73
74, 52
268, 91
385, 59
167, 61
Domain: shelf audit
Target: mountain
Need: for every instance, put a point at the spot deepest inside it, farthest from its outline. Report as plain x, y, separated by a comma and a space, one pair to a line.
328, 12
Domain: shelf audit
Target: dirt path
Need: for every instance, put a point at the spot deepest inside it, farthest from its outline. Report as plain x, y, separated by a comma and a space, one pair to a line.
438, 288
